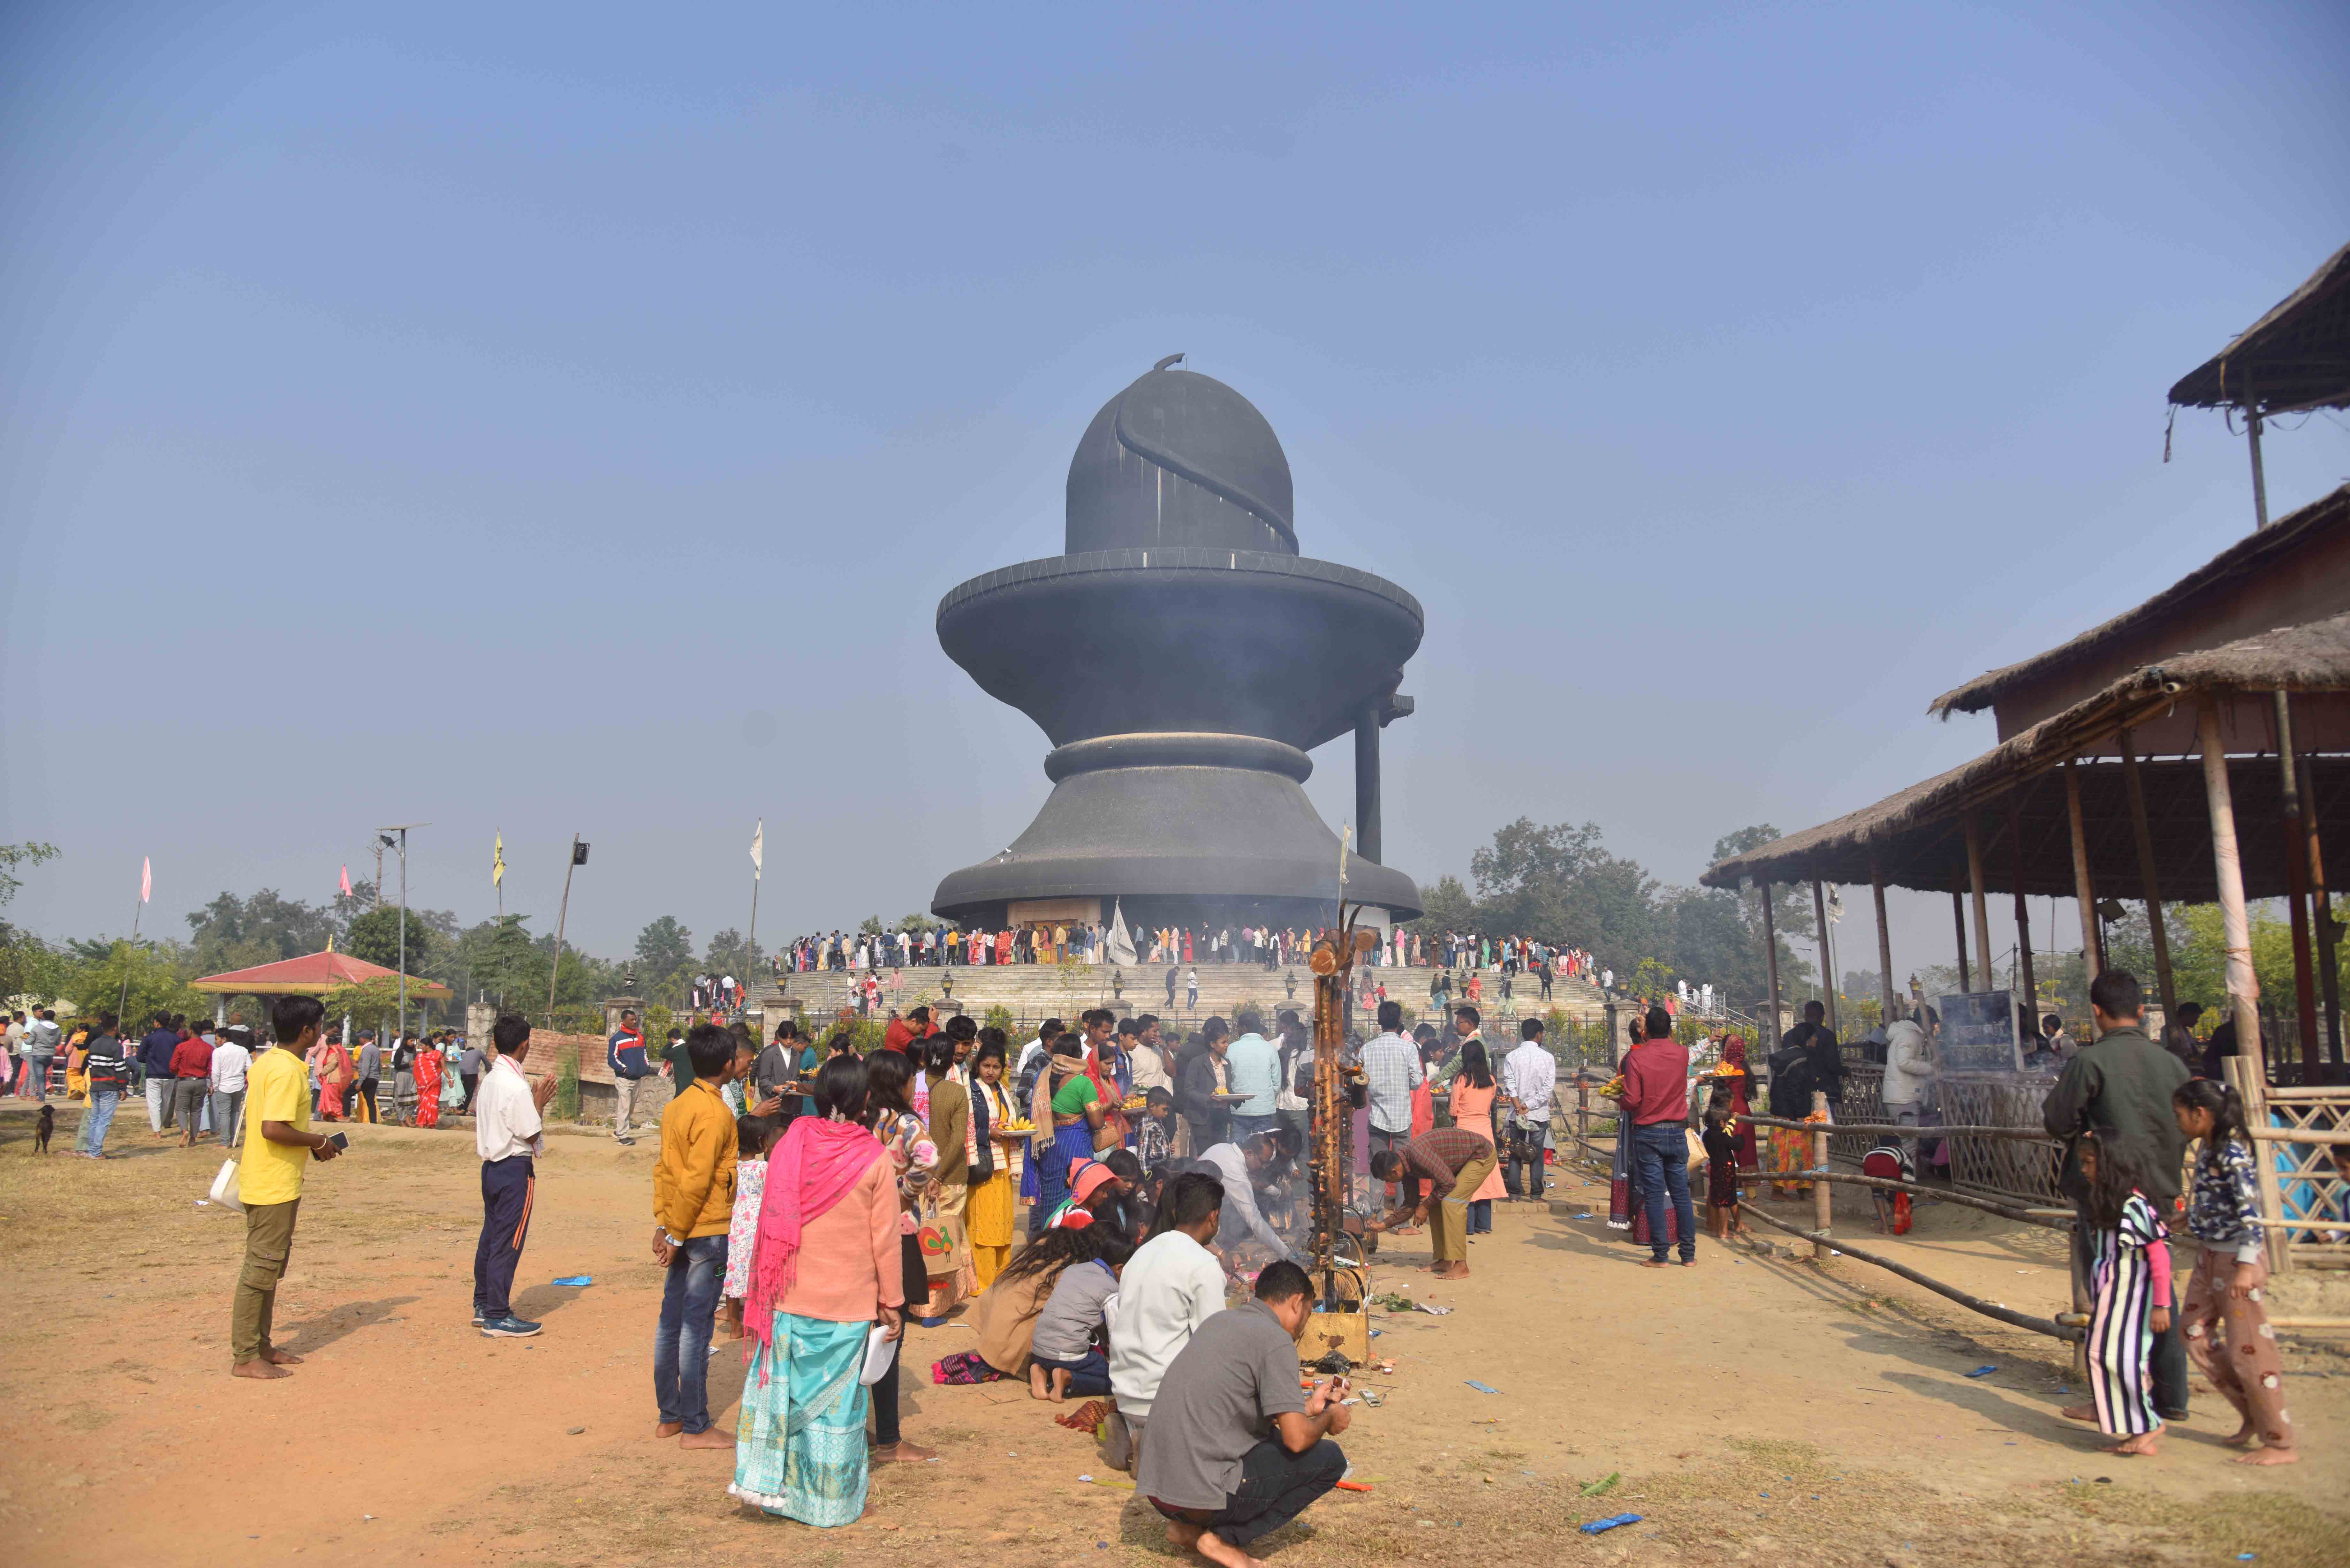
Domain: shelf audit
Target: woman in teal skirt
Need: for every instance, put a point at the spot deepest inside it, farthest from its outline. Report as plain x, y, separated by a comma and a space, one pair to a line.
826, 1268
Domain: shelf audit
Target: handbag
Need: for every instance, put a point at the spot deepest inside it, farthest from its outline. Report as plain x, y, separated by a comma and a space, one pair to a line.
223, 1193
936, 1247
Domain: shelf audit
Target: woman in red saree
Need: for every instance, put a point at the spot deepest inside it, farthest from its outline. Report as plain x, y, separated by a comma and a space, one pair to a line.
333, 1067
428, 1085
1733, 1055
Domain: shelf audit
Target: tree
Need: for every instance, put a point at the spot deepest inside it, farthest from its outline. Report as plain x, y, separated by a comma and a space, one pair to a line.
1446, 906
240, 933
28, 967
16, 857
142, 980
501, 963
664, 952
374, 938
1561, 881
730, 954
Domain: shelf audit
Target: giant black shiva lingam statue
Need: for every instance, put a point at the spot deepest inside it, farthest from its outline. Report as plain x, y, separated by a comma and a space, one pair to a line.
1183, 659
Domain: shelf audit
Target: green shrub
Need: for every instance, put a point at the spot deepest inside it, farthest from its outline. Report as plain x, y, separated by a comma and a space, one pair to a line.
567, 1083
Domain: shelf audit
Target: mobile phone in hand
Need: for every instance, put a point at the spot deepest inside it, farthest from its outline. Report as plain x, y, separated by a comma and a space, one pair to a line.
340, 1140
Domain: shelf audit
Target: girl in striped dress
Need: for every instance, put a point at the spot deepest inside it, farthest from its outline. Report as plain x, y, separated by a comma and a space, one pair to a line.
2131, 1301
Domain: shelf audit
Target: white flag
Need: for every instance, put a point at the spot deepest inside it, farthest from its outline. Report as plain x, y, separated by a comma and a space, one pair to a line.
1121, 944
759, 849
146, 878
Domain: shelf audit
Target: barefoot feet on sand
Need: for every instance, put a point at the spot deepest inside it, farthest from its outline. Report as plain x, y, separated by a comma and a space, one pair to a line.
708, 1437
668, 1428
2270, 1457
1216, 1549
2146, 1445
257, 1369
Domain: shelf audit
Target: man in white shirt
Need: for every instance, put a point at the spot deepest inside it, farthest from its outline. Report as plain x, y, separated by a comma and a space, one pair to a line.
1529, 1079
1170, 1286
1238, 1165
506, 1134
232, 1058
1035, 1050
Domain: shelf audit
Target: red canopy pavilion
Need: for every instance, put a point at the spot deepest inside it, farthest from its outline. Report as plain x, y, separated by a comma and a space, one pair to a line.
313, 974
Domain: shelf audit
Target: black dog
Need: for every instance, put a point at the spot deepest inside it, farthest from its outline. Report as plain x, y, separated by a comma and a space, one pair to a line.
42, 1129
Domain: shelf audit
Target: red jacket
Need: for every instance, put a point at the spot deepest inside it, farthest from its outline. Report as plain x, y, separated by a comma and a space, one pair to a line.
192, 1058
1656, 1082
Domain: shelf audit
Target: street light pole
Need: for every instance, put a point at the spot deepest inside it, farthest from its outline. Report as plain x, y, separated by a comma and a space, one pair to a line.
579, 857
385, 841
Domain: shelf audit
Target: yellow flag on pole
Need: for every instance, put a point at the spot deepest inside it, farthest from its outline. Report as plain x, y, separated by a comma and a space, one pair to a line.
498, 862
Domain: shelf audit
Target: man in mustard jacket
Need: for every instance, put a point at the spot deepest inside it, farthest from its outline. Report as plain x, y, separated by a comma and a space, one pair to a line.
693, 1205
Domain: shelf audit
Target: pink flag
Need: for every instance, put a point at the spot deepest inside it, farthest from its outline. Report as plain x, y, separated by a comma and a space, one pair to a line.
346, 881
146, 878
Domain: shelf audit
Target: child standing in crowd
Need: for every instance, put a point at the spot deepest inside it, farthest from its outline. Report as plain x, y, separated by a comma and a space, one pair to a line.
1155, 1135
2226, 1328
1720, 1176
2131, 1298
752, 1135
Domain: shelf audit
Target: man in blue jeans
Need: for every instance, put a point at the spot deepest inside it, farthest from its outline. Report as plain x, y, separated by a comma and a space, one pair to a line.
1656, 1102
693, 1206
108, 1069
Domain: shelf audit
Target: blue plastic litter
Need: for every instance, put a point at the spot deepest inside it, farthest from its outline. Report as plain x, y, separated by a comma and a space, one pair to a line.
577, 1280
1983, 1372
1482, 1388
1600, 1526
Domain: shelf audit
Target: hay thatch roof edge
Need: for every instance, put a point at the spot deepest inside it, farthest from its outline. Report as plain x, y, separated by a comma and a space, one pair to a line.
2245, 557
2295, 356
2310, 657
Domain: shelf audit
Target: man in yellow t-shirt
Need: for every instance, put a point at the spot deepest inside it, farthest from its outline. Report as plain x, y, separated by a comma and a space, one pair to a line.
279, 1149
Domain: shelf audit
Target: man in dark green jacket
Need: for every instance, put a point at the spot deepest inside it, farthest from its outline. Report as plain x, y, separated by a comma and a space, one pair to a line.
2119, 1087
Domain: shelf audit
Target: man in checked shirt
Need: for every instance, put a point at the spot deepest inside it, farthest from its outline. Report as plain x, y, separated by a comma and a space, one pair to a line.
1391, 1071
1439, 1170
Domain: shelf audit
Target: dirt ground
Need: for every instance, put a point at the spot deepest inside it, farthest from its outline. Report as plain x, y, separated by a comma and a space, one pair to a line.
1750, 1408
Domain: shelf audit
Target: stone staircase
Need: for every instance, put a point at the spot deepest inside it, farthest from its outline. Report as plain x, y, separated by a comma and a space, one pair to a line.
1033, 992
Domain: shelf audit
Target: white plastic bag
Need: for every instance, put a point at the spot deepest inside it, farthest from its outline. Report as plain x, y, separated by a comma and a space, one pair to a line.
223, 1193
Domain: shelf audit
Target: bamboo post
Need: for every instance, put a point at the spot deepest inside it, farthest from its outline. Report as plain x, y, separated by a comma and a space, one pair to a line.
2320, 916
1822, 1195
2243, 986
2084, 889
2296, 885
1884, 939
1770, 967
1982, 914
2148, 885
2025, 980
1958, 919
1828, 958
1582, 1112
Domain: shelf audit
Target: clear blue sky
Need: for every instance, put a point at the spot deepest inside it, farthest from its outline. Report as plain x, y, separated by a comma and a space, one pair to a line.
473, 415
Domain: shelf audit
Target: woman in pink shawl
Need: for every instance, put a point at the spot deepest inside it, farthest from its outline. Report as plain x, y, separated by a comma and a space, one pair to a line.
826, 1267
